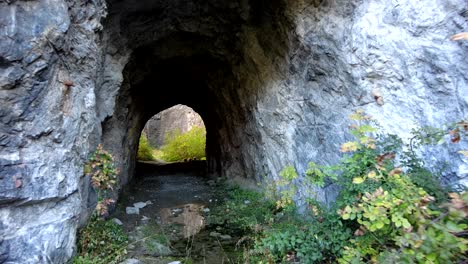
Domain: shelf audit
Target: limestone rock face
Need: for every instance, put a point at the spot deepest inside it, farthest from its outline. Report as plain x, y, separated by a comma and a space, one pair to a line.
178, 117
274, 82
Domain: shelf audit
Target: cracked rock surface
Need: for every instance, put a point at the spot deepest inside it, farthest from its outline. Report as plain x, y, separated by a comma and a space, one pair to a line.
274, 82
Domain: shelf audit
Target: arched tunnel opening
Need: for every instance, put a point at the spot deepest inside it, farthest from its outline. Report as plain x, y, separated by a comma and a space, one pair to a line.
215, 57
172, 141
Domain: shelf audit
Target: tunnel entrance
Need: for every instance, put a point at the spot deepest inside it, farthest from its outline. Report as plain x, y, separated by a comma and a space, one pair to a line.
217, 57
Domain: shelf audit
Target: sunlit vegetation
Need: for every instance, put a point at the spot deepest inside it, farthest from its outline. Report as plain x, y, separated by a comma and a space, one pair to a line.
178, 146
145, 151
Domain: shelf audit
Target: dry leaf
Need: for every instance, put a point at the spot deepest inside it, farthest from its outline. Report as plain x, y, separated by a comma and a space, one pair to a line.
463, 124
395, 171
460, 36
377, 94
360, 232
387, 156
455, 136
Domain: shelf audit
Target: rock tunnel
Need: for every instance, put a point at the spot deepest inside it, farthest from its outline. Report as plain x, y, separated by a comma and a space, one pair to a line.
274, 81
214, 57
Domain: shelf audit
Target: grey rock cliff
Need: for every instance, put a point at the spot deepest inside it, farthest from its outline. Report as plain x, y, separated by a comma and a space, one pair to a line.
274, 82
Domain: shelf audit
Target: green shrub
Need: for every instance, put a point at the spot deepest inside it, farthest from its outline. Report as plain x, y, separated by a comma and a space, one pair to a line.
184, 146
396, 220
145, 152
310, 241
101, 242
242, 210
387, 213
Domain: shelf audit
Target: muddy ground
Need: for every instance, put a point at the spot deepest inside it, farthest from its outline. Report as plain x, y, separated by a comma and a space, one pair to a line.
165, 217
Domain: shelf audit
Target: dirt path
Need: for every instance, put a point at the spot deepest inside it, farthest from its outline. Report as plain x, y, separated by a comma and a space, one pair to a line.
165, 219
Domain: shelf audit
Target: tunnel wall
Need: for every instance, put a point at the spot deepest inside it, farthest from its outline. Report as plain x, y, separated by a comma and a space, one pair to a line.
281, 81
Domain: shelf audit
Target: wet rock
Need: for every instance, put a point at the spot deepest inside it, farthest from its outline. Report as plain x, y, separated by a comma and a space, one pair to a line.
225, 237
215, 234
176, 211
145, 219
132, 210
117, 221
131, 261
211, 183
155, 248
175, 262
139, 205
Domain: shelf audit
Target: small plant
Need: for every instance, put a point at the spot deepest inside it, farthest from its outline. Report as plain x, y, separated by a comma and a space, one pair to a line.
145, 151
306, 240
103, 177
101, 242
243, 210
185, 146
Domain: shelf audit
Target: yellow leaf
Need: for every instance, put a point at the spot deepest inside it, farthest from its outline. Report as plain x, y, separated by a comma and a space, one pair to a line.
349, 147
464, 152
371, 175
358, 180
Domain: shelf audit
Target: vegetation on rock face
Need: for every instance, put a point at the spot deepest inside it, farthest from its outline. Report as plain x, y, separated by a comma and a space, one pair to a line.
103, 174
100, 241
385, 212
185, 146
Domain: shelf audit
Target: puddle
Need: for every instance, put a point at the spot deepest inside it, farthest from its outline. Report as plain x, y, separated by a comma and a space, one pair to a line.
189, 216
172, 224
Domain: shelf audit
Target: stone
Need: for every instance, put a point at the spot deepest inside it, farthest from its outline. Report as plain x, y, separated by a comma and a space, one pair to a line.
132, 210
139, 205
131, 261
177, 211
175, 262
211, 183
215, 234
155, 248
225, 237
117, 221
